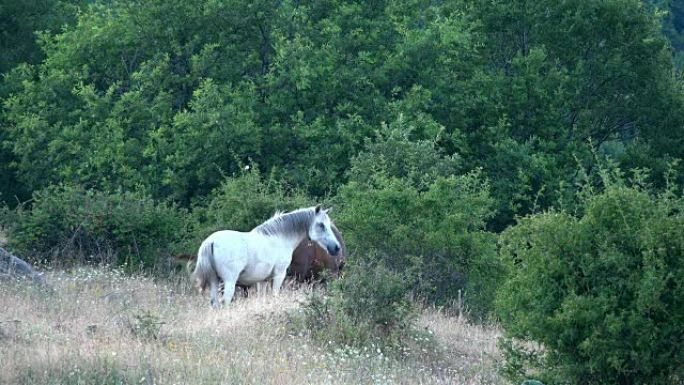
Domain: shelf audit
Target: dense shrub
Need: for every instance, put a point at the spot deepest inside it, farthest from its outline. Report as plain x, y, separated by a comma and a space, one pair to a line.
408, 203
74, 224
602, 293
438, 234
370, 305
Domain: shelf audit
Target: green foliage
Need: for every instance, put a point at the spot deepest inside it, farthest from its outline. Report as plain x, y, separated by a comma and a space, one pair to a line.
560, 75
216, 114
243, 202
22, 25
74, 224
404, 203
23, 21
132, 93
115, 88
171, 95
393, 154
369, 305
672, 16
601, 293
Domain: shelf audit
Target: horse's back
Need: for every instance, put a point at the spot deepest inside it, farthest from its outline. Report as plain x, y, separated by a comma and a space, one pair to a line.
229, 245
226, 235
250, 255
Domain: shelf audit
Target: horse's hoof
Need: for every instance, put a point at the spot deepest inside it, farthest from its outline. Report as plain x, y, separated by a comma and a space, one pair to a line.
215, 305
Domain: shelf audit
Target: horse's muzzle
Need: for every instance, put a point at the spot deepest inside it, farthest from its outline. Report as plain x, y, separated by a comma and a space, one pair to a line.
334, 249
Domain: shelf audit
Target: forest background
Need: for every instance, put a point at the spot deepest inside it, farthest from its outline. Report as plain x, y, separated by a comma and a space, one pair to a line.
443, 133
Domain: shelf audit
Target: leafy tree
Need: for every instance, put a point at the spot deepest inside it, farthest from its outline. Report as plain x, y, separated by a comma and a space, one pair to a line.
22, 25
124, 96
167, 96
393, 154
673, 26
561, 75
99, 110
344, 68
212, 138
22, 21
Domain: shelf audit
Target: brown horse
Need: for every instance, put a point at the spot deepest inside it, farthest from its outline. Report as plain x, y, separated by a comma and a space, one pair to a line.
309, 263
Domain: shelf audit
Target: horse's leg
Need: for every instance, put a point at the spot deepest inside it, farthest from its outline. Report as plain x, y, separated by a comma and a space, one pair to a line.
278, 279
230, 278
228, 293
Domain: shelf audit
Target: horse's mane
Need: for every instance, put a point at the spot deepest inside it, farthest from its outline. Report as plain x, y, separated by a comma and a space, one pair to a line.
285, 224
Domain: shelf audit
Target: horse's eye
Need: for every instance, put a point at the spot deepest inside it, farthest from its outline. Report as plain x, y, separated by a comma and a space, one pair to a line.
321, 226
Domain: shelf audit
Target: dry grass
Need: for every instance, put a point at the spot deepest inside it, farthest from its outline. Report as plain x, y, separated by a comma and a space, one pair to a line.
105, 328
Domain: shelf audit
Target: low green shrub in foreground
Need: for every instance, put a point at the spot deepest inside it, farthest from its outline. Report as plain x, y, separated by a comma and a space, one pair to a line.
73, 224
597, 298
370, 305
438, 235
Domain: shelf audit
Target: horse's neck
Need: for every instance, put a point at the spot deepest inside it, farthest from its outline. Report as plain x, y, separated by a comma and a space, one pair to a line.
289, 242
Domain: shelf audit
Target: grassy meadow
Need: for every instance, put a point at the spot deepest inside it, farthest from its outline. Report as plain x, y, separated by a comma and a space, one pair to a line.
100, 326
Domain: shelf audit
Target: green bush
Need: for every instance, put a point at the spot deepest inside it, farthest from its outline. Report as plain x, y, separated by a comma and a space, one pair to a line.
394, 154
408, 203
73, 224
602, 293
243, 202
436, 234
370, 305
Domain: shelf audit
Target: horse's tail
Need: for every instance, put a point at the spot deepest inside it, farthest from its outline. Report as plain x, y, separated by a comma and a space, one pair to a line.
204, 268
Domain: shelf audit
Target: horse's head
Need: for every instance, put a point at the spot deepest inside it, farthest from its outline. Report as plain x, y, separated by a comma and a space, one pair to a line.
341, 257
320, 231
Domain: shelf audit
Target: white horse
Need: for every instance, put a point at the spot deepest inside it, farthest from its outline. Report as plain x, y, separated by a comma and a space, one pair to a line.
261, 254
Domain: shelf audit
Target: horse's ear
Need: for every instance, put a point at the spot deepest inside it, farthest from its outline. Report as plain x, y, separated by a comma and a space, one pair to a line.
328, 210
318, 209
